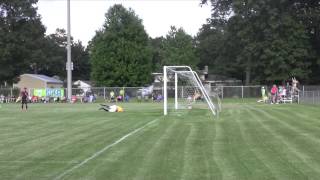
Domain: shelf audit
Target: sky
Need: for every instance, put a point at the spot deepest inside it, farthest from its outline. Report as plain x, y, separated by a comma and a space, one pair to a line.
157, 16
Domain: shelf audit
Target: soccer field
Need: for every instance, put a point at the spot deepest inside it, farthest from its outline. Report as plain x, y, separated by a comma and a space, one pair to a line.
76, 141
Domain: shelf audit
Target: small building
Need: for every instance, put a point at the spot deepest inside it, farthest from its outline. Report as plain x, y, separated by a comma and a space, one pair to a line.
38, 81
82, 84
85, 86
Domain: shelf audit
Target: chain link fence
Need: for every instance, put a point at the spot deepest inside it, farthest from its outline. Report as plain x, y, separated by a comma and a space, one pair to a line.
309, 97
307, 94
8, 95
237, 91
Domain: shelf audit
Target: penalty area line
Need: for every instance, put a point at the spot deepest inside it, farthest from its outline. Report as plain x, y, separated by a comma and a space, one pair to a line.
96, 154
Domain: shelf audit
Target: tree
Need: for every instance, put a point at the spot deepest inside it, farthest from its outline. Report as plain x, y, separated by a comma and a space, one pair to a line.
210, 48
55, 55
308, 13
120, 53
55, 50
81, 63
21, 38
263, 40
178, 49
24, 48
157, 59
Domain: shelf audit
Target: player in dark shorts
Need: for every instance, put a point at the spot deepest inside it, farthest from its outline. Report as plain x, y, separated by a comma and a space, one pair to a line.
24, 98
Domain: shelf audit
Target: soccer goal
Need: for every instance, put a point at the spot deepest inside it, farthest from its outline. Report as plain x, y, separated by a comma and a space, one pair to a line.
183, 89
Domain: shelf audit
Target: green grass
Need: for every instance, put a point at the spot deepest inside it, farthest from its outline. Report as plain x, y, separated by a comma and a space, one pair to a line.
76, 141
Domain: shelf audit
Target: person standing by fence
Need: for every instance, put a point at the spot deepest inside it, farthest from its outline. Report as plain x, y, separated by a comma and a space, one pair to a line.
24, 98
274, 94
264, 95
112, 98
121, 93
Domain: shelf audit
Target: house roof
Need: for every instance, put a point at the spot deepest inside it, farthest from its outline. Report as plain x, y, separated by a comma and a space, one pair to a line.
81, 83
44, 78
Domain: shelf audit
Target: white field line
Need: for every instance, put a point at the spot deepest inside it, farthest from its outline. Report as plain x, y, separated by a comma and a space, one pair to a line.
96, 154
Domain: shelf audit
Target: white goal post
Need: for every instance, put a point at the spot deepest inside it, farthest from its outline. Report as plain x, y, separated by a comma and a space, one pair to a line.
187, 87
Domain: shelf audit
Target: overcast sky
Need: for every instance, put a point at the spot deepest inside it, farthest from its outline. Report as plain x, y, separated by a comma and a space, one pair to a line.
87, 16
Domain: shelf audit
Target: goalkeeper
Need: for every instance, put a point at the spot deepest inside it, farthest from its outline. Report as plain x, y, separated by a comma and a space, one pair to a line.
111, 108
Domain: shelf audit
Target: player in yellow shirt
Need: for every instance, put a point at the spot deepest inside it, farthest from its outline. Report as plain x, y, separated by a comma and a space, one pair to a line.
111, 108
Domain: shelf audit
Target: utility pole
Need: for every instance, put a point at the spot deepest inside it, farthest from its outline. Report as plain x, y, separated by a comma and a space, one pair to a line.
69, 63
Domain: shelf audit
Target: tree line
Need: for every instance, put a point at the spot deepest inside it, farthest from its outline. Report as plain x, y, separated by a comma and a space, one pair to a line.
24, 47
262, 41
254, 41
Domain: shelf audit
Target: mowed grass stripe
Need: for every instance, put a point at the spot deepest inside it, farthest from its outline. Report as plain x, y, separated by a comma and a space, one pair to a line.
158, 137
259, 166
300, 138
170, 154
223, 153
81, 153
48, 138
136, 153
51, 139
304, 128
71, 134
148, 161
268, 148
295, 152
219, 148
78, 144
45, 153
299, 117
208, 135
248, 141
32, 122
125, 160
103, 150
240, 157
198, 156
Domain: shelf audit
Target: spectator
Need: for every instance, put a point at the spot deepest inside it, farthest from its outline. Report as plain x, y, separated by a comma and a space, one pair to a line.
2, 99
91, 98
121, 93
154, 96
274, 94
13, 99
56, 99
63, 99
197, 96
119, 98
284, 92
34, 99
112, 97
74, 99
159, 98
264, 97
127, 98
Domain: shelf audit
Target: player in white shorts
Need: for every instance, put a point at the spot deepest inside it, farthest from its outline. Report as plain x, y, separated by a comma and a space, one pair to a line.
111, 108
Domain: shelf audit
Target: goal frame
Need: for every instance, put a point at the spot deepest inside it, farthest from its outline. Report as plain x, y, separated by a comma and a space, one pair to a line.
195, 77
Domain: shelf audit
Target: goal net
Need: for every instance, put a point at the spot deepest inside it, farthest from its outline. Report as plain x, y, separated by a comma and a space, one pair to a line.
183, 89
